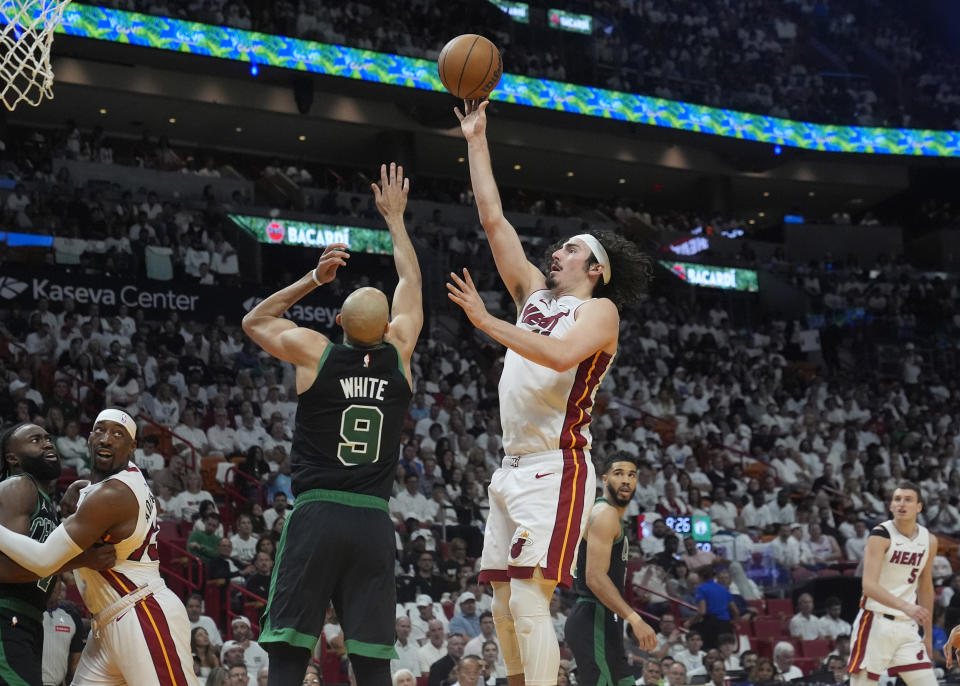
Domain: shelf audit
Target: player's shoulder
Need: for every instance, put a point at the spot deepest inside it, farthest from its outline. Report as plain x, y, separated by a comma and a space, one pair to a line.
597, 307
604, 516
18, 494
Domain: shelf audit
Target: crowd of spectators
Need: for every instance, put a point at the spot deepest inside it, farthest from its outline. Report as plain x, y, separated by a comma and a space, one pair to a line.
791, 448
859, 62
793, 468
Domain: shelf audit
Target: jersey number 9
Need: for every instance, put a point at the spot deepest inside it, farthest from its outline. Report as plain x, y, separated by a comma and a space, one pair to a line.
360, 427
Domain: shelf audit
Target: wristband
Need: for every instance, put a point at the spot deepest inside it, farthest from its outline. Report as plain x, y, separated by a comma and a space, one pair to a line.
313, 275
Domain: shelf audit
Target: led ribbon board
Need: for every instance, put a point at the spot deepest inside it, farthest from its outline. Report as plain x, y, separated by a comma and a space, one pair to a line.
163, 33
727, 278
313, 235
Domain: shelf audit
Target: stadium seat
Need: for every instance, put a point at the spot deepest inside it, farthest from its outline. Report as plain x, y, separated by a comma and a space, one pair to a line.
780, 607
829, 572
767, 627
818, 648
168, 530
759, 605
801, 574
208, 470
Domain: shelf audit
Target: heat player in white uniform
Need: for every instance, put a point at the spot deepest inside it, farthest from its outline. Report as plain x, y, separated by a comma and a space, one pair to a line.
558, 350
139, 634
897, 598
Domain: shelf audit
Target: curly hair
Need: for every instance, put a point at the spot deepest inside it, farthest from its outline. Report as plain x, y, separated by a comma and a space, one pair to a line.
4, 446
630, 270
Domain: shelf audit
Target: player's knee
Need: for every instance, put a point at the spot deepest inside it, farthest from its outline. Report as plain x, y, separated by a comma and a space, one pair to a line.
527, 600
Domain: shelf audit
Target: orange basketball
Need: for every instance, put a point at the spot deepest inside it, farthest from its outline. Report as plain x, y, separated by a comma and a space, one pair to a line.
470, 66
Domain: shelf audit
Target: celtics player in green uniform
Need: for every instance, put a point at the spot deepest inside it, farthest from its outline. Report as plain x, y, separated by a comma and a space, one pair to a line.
28, 474
593, 630
338, 543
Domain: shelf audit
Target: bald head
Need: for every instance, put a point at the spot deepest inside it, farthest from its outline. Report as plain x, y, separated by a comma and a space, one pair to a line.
364, 316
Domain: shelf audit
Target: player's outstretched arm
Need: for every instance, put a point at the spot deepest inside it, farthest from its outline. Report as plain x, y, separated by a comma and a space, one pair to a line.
407, 307
603, 530
18, 497
111, 505
597, 328
519, 276
281, 337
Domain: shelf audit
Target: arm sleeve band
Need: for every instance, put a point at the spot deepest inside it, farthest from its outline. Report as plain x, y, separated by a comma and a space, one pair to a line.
43, 559
880, 531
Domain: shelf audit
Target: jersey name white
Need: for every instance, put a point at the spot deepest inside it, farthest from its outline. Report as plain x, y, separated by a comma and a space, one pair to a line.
541, 409
137, 559
902, 565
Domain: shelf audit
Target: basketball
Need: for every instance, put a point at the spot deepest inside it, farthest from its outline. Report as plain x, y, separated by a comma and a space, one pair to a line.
470, 66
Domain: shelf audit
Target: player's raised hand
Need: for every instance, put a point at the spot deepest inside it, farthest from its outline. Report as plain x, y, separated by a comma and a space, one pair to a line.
473, 119
391, 194
464, 293
952, 645
334, 256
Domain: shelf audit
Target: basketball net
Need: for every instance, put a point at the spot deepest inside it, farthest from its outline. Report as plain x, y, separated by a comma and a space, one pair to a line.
26, 35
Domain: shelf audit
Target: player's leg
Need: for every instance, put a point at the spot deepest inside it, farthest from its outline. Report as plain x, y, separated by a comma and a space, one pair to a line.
365, 596
507, 632
493, 569
94, 669
145, 643
303, 579
539, 649
910, 660
580, 637
549, 499
20, 639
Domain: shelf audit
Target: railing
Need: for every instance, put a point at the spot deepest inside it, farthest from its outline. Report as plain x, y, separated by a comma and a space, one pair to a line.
194, 461
235, 495
251, 601
675, 603
193, 580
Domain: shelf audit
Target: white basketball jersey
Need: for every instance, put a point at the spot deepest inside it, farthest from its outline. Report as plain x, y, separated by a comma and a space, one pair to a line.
541, 409
137, 559
902, 565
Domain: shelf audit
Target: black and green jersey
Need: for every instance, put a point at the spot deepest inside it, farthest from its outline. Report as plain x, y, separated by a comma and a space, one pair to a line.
618, 564
42, 522
348, 424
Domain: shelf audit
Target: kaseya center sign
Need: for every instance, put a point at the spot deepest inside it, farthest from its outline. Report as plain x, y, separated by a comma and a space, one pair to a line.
728, 278
279, 231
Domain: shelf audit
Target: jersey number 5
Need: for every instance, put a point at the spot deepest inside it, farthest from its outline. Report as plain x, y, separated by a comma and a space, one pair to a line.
360, 427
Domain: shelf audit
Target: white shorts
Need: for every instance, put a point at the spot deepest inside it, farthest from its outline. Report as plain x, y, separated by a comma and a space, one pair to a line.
882, 644
539, 506
141, 640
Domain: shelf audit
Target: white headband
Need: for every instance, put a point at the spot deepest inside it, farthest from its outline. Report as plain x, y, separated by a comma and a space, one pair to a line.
120, 417
598, 252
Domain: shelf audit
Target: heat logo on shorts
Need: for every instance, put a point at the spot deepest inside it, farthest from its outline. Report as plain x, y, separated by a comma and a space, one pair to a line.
518, 544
